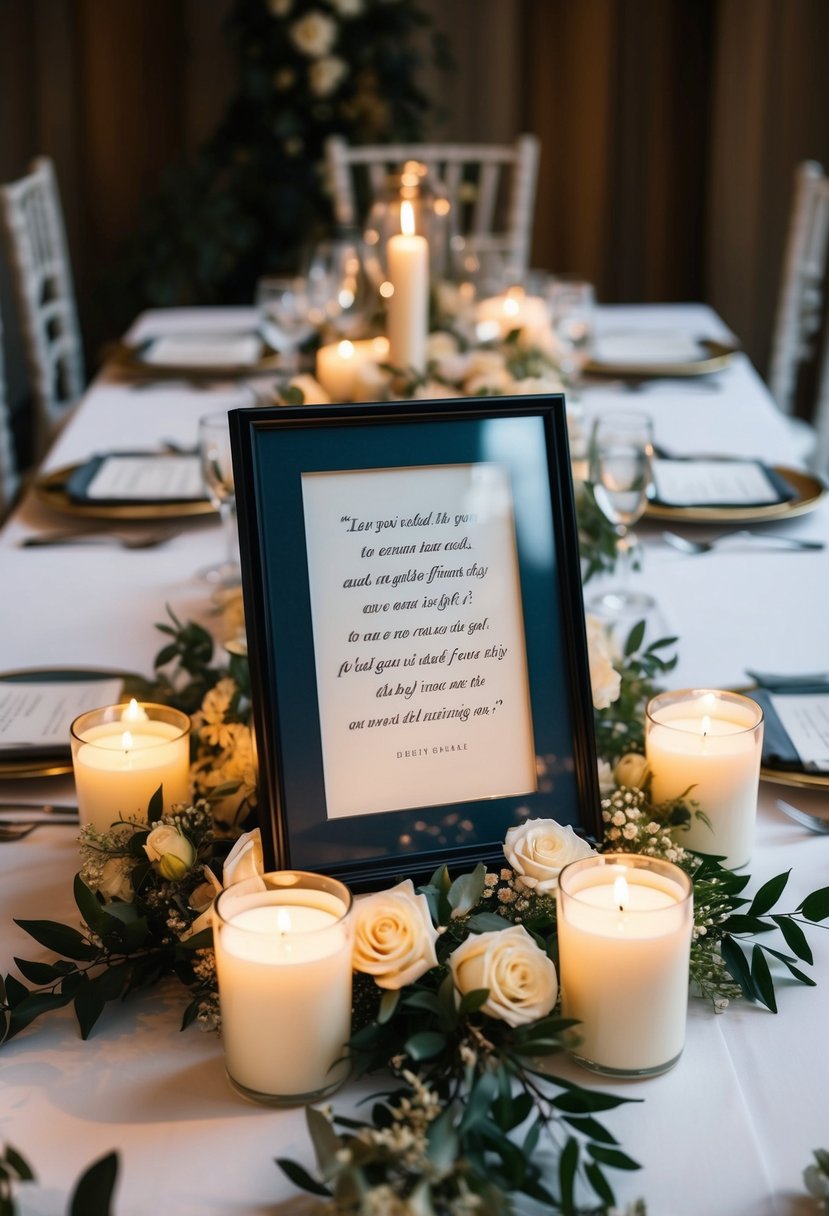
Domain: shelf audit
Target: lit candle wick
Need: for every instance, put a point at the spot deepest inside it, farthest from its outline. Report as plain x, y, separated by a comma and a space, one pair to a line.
126, 740
706, 725
620, 892
283, 921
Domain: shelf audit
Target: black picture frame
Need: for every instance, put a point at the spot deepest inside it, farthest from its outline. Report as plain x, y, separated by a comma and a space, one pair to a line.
273, 448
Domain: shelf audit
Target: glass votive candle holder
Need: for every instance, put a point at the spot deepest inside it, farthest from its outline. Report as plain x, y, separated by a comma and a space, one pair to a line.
121, 754
708, 744
624, 938
283, 946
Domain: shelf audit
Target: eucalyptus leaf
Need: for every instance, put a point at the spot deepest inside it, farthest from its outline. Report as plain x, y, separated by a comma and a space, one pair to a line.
93, 1192
568, 1164
63, 939
388, 1005
768, 895
326, 1142
425, 1045
19, 1164
613, 1157
737, 966
487, 922
816, 906
466, 891
301, 1178
155, 808
599, 1183
443, 1145
41, 973
763, 983
794, 937
32, 1007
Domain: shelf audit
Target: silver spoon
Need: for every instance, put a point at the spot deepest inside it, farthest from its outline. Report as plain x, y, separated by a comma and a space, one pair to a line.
813, 822
784, 543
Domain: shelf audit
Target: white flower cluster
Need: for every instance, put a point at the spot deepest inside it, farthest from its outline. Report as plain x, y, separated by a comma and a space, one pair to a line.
630, 827
225, 755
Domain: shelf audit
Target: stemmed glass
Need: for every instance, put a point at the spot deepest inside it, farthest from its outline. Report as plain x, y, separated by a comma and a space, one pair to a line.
217, 471
338, 286
571, 305
286, 316
621, 456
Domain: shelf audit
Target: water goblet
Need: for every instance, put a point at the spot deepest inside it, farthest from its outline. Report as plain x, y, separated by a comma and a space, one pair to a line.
286, 317
338, 287
571, 305
621, 456
217, 472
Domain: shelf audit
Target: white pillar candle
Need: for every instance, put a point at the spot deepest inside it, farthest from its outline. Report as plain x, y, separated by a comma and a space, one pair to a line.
497, 316
283, 961
624, 938
341, 366
407, 308
708, 744
121, 755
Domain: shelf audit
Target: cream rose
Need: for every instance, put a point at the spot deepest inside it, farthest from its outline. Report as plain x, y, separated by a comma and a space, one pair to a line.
170, 851
538, 849
521, 979
394, 938
631, 771
245, 859
605, 681
116, 879
326, 75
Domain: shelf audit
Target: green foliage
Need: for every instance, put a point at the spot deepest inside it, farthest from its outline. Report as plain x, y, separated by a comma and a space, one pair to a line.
255, 191
92, 1194
620, 727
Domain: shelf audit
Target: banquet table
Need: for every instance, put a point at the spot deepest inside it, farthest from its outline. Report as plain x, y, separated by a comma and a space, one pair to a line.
727, 1132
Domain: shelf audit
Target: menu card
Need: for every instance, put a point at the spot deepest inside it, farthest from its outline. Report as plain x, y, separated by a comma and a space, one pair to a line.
204, 350
654, 346
716, 483
37, 716
126, 477
805, 718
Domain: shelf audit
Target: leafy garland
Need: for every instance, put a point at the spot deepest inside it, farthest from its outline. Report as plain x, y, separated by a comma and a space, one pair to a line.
464, 1081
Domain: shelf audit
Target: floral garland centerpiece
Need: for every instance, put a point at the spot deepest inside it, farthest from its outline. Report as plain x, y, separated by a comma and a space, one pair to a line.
455, 989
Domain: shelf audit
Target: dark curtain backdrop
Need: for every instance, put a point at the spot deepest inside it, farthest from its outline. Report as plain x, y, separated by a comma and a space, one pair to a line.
670, 129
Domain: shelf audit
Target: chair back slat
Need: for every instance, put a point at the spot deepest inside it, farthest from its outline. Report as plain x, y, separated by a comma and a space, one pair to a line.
481, 180
9, 472
33, 220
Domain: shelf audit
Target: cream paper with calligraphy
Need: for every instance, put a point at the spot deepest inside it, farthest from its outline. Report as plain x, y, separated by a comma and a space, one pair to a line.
418, 637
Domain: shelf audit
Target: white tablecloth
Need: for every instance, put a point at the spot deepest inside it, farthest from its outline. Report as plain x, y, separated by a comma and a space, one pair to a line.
726, 1133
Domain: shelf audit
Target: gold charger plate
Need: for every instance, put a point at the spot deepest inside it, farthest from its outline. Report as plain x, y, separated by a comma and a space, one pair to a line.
50, 489
132, 362
56, 764
796, 778
808, 490
714, 357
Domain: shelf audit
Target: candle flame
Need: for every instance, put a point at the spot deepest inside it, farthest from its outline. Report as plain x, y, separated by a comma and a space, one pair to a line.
407, 221
511, 306
283, 921
706, 725
126, 740
346, 349
621, 895
134, 712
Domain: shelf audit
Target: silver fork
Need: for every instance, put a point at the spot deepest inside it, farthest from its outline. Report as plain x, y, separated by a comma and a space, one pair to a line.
813, 822
694, 547
145, 539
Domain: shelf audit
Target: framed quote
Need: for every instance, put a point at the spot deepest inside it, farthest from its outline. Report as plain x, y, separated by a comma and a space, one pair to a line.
415, 629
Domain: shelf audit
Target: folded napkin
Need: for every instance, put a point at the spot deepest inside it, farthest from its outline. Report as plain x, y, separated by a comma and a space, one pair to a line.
204, 350
652, 346
693, 482
803, 701
137, 477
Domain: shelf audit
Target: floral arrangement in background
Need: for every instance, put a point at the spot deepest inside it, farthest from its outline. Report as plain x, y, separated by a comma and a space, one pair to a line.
255, 192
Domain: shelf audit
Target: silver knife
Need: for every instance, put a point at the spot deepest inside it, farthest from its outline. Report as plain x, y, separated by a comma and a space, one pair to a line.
32, 812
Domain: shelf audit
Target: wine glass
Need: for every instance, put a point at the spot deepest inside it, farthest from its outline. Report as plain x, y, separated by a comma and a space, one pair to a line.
571, 305
217, 472
621, 456
338, 286
286, 317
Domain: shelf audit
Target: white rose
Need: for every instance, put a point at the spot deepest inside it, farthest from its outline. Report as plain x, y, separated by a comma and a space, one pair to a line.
116, 879
440, 343
521, 979
245, 859
605, 681
394, 938
538, 849
170, 851
314, 34
631, 771
433, 390
326, 74
486, 363
607, 782
347, 8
